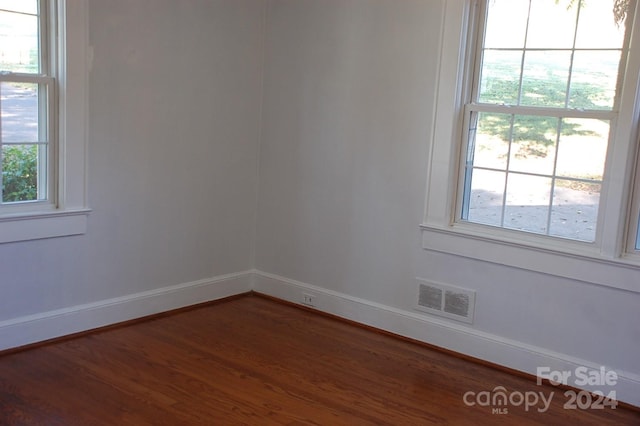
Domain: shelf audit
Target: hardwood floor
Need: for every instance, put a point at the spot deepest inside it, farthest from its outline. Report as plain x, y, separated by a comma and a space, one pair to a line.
254, 361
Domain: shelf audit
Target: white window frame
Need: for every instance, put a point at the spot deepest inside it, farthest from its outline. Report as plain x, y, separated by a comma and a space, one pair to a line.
66, 213
611, 260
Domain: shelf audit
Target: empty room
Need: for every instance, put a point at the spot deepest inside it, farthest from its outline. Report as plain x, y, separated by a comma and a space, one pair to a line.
328, 212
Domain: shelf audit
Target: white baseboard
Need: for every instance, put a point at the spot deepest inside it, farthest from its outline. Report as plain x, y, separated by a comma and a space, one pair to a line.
29, 329
449, 335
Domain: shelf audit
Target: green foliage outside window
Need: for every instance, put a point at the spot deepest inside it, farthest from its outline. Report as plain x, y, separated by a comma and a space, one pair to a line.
19, 173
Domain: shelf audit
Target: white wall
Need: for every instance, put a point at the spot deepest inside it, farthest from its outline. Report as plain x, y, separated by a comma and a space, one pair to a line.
174, 102
348, 97
348, 111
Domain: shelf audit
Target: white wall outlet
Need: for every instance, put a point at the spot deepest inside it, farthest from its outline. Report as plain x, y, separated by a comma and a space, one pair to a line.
308, 299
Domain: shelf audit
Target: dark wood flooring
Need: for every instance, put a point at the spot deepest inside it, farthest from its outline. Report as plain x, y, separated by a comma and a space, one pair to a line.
251, 360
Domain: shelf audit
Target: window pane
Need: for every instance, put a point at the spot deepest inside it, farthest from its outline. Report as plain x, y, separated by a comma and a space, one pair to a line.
23, 6
575, 210
545, 77
500, 79
582, 150
491, 147
594, 78
552, 24
19, 42
486, 198
507, 23
534, 144
19, 173
19, 109
638, 236
599, 14
527, 204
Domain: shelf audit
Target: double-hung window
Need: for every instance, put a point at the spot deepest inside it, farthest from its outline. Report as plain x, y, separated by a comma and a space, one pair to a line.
43, 76
536, 135
28, 104
540, 117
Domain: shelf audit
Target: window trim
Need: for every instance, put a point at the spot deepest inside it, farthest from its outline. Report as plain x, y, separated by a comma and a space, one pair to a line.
612, 263
68, 216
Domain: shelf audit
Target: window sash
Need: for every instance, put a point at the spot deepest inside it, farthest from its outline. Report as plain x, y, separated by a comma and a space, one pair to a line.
477, 34
47, 116
46, 137
466, 165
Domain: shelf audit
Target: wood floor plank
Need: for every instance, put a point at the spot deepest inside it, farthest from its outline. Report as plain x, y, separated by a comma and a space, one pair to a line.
254, 361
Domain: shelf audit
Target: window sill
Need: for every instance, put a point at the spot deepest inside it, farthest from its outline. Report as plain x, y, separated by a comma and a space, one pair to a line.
574, 262
39, 225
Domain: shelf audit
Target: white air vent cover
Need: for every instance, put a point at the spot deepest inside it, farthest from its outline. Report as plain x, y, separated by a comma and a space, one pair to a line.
446, 300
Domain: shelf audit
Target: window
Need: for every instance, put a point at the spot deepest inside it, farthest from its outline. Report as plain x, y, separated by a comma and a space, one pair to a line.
543, 100
27, 103
43, 50
536, 137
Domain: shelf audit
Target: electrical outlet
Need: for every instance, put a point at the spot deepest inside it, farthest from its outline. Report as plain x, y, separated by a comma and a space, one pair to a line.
308, 299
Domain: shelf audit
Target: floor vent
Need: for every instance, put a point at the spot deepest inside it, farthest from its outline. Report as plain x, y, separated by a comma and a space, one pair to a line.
446, 300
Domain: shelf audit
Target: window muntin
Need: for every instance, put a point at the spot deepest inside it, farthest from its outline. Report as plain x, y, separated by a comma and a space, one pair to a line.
27, 104
540, 117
